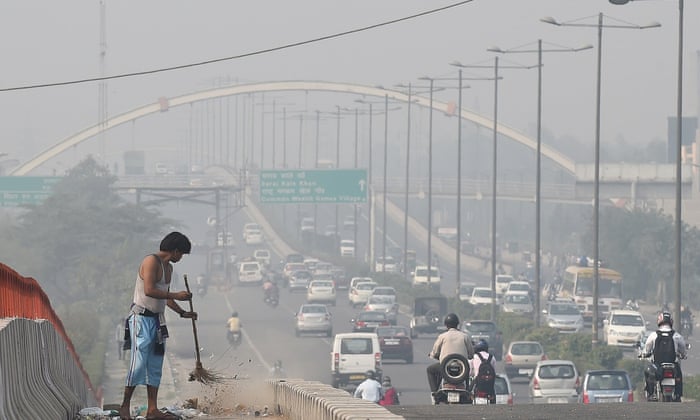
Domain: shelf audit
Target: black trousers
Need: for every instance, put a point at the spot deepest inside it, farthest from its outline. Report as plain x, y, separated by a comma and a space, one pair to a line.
434, 376
651, 380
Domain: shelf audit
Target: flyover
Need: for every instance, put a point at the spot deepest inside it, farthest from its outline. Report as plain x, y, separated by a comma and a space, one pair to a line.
634, 182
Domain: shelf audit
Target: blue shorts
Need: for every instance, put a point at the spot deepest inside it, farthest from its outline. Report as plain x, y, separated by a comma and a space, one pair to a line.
145, 367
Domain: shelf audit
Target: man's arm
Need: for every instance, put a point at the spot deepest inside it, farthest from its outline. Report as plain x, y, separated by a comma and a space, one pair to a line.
435, 352
680, 344
649, 345
358, 390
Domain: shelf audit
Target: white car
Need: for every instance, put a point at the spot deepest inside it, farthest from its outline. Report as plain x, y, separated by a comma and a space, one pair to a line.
262, 256
385, 265
481, 296
347, 248
308, 224
517, 302
464, 293
254, 237
321, 291
250, 272
250, 227
420, 277
502, 282
623, 328
518, 286
361, 292
354, 281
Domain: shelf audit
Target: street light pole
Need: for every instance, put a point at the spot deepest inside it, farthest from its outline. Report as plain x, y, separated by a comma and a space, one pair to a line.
538, 172
679, 159
596, 179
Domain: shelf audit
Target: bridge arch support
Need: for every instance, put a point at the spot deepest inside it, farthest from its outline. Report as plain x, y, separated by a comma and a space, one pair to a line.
558, 158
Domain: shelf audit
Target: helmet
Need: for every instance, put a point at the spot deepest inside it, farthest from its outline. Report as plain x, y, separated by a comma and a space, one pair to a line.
482, 345
664, 318
234, 314
451, 320
386, 381
369, 374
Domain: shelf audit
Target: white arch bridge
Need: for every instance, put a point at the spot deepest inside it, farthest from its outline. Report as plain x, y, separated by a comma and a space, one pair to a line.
623, 181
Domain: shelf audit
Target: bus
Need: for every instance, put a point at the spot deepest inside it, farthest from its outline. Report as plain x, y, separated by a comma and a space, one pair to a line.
577, 284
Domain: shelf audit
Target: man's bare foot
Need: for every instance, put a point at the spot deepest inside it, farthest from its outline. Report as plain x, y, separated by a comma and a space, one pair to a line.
124, 413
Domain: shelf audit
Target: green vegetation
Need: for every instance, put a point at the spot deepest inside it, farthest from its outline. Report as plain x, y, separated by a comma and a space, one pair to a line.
83, 245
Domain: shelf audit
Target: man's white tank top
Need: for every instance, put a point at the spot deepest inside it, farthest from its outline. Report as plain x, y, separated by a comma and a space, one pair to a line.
152, 304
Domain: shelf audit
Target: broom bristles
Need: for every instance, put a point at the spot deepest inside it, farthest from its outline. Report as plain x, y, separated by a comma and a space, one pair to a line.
205, 376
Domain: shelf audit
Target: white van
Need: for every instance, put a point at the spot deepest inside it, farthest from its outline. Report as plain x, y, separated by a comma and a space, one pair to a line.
250, 272
354, 354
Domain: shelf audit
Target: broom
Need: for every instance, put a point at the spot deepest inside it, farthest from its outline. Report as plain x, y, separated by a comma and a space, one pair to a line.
200, 374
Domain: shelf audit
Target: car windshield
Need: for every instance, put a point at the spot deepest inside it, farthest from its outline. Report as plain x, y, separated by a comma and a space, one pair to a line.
564, 310
381, 300
423, 272
556, 372
386, 291
500, 386
628, 320
295, 267
504, 279
481, 327
466, 289
365, 286
518, 299
322, 283
392, 332
313, 309
347, 243
607, 381
519, 287
301, 275
372, 316
482, 292
250, 267
356, 346
522, 349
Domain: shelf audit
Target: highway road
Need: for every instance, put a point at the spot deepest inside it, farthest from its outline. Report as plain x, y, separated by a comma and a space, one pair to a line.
269, 332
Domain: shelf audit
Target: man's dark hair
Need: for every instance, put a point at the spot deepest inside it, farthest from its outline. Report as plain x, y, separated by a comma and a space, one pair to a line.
176, 241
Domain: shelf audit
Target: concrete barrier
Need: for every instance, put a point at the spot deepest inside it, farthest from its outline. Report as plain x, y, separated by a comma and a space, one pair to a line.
298, 399
39, 378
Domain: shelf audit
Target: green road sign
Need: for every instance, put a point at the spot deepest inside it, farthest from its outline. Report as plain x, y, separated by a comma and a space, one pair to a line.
18, 190
313, 186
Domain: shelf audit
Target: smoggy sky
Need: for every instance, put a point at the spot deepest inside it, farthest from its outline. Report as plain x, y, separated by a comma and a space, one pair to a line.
49, 41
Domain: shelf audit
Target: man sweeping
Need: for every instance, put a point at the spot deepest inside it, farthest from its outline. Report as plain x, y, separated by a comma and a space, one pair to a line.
147, 322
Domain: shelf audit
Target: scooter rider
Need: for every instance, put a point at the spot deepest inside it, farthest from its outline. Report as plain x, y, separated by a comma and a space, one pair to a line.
270, 289
665, 324
234, 326
481, 387
452, 341
370, 389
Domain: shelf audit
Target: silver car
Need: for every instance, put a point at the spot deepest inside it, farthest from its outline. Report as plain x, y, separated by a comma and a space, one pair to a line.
564, 317
554, 382
313, 318
383, 303
517, 302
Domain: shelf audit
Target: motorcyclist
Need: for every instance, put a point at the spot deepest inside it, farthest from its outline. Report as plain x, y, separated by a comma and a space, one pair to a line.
452, 341
487, 390
277, 371
370, 389
687, 315
665, 324
234, 326
270, 289
391, 397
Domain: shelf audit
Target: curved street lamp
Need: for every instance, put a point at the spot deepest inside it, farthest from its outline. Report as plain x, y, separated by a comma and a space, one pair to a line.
596, 188
679, 159
538, 177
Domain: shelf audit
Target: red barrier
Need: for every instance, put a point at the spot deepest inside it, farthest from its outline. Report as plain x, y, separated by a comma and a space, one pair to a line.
23, 297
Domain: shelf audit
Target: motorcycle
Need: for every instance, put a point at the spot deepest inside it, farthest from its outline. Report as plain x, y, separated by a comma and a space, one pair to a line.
272, 298
686, 327
455, 375
201, 286
234, 338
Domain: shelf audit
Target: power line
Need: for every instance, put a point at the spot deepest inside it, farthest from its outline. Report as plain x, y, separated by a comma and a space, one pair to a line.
235, 57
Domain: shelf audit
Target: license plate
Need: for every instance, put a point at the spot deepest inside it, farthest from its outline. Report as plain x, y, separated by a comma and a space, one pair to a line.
453, 397
372, 325
525, 371
391, 342
480, 400
558, 401
354, 377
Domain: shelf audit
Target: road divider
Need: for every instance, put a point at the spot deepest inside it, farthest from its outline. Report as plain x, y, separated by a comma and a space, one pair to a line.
297, 399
